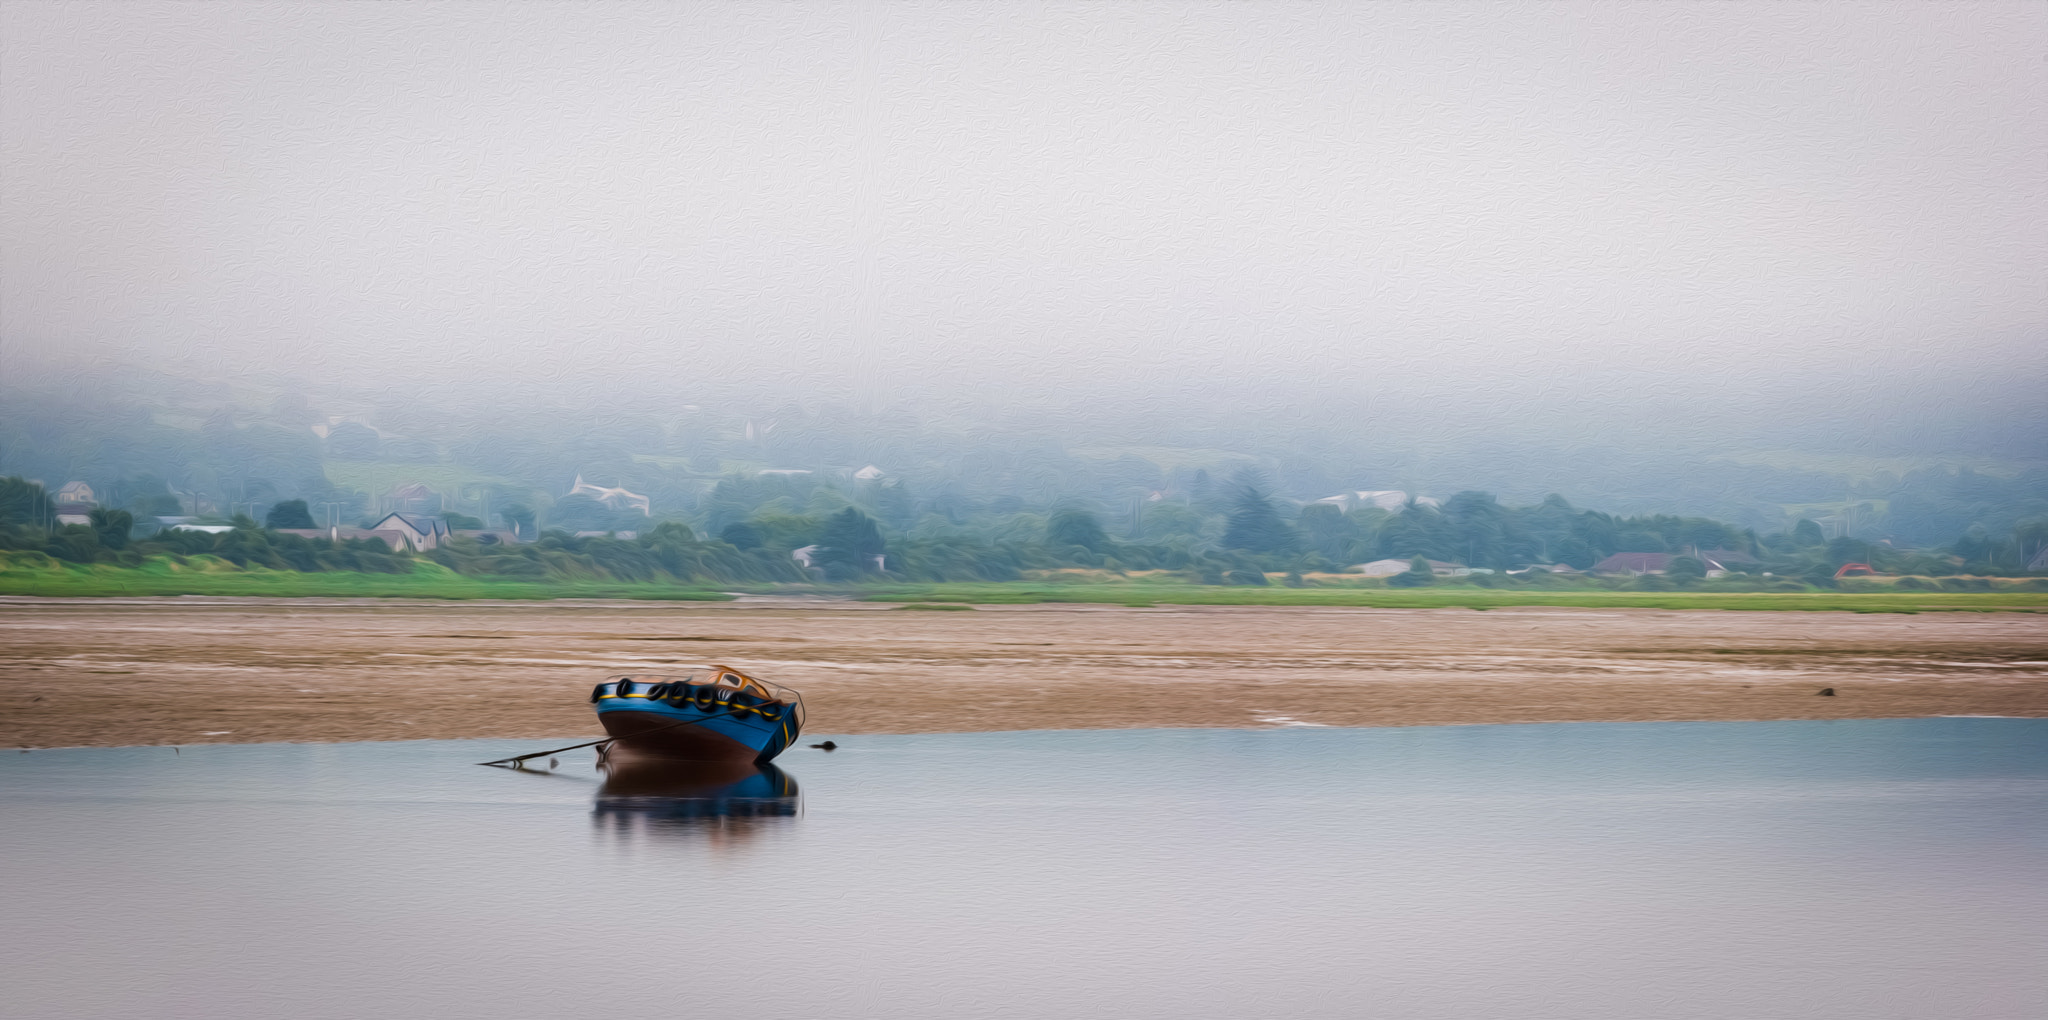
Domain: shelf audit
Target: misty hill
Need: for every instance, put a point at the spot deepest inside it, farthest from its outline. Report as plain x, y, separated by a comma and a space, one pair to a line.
155, 442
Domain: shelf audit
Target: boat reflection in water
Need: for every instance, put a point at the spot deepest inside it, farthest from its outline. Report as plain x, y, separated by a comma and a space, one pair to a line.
724, 803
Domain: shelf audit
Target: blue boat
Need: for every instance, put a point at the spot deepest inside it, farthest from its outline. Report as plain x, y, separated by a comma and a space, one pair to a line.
717, 714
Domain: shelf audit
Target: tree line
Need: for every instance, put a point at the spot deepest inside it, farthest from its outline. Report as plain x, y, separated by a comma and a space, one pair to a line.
1249, 535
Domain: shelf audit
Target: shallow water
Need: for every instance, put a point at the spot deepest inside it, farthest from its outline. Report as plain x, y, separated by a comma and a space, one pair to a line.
1834, 869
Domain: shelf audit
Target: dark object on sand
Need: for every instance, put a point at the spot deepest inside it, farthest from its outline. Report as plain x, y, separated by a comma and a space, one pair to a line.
721, 714
826, 746
1827, 692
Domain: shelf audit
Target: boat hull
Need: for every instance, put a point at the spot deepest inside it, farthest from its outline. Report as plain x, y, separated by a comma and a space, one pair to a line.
736, 720
657, 734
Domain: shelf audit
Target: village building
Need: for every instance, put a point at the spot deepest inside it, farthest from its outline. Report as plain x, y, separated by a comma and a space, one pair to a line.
615, 498
1390, 500
1718, 562
1389, 568
1635, 563
410, 531
75, 503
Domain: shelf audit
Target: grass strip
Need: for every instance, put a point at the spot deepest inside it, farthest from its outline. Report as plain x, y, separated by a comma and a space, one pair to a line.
1466, 598
427, 581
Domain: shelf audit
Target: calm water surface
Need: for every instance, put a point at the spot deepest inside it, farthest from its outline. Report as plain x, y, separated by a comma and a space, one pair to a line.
1834, 869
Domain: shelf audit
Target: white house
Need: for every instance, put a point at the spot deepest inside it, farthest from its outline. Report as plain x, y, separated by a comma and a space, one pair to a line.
1391, 500
1388, 568
616, 498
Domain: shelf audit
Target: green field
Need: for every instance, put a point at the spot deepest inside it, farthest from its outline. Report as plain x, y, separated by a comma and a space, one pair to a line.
36, 574
1467, 598
204, 575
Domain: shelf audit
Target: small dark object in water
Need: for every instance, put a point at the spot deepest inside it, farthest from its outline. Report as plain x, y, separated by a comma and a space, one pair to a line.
826, 746
1827, 692
553, 763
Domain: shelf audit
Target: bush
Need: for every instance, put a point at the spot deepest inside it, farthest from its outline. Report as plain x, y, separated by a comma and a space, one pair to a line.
291, 513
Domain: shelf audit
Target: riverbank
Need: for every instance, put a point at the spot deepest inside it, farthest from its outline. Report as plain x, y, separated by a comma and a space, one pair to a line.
37, 576
180, 671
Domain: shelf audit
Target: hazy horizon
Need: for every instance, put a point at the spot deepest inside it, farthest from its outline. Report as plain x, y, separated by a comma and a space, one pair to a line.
1817, 227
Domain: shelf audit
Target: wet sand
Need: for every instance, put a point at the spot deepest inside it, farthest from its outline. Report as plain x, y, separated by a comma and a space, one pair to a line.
183, 671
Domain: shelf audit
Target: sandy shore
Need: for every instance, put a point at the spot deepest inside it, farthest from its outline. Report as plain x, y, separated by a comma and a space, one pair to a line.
182, 671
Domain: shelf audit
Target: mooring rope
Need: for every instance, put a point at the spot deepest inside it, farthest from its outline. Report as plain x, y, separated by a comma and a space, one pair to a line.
513, 762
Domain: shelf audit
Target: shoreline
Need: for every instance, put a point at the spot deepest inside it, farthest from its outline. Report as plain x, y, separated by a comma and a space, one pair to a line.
2029, 595
785, 756
181, 672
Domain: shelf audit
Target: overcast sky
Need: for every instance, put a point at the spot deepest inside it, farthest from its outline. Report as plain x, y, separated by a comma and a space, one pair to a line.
1019, 200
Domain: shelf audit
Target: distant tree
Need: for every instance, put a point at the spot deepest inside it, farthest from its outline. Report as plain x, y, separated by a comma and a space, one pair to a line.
1640, 540
849, 545
150, 497
893, 502
1076, 527
2031, 536
461, 522
1848, 550
582, 513
740, 535
1167, 522
112, 526
1478, 527
1807, 533
1419, 573
1247, 577
291, 513
1255, 525
1685, 567
519, 518
1329, 531
25, 503
1975, 548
